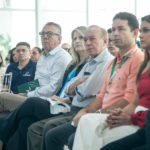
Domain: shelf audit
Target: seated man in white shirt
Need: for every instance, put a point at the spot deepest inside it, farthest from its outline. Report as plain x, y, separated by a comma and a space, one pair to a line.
49, 70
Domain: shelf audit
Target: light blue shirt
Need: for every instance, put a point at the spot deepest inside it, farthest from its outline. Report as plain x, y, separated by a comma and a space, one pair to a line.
50, 71
95, 69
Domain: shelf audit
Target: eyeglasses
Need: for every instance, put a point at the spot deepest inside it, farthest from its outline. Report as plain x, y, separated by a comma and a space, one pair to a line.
21, 50
48, 34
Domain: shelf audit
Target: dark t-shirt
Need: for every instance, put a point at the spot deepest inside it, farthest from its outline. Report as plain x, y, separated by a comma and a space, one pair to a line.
21, 76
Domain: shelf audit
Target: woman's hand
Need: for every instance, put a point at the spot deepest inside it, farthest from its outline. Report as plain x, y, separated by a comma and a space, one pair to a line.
65, 100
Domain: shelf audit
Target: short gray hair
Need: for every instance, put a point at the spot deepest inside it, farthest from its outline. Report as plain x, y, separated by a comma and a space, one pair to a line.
58, 27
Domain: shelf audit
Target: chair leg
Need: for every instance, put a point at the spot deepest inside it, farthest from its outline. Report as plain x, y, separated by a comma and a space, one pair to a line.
1, 145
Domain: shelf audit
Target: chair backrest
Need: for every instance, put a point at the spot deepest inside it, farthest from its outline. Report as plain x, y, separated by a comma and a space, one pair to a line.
5, 82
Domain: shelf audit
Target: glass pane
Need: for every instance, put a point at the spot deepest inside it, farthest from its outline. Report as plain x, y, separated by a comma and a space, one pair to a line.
101, 12
17, 4
67, 20
19, 25
142, 8
62, 4
5, 32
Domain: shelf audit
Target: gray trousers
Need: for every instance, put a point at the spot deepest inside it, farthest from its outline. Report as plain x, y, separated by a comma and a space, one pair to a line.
9, 101
37, 131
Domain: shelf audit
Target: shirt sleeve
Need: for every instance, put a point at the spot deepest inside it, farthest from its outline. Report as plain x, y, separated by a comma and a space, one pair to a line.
55, 81
101, 94
139, 118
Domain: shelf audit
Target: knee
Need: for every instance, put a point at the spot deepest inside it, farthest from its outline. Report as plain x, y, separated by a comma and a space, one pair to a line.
32, 102
35, 130
30, 130
84, 118
37, 102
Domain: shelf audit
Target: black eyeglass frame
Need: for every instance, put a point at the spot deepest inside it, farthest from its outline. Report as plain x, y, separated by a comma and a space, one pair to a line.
49, 34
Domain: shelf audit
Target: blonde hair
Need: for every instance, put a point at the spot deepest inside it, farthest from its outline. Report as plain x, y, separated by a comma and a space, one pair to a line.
81, 30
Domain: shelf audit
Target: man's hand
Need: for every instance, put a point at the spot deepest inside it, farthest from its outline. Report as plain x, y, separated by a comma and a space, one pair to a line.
76, 83
79, 81
78, 116
118, 118
115, 112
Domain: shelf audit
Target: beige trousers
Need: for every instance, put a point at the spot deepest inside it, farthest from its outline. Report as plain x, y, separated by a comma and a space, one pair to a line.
9, 101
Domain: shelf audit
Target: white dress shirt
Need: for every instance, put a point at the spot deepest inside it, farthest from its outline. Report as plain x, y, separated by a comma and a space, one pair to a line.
50, 71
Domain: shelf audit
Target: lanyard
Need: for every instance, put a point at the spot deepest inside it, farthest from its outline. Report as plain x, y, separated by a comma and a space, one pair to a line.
113, 73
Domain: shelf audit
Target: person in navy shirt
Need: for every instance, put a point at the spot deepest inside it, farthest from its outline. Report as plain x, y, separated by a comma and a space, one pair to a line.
24, 70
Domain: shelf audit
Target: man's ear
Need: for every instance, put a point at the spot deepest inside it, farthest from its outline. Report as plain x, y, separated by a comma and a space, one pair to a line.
60, 38
135, 33
106, 41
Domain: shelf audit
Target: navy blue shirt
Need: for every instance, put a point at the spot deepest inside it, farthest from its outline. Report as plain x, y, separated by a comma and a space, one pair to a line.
21, 76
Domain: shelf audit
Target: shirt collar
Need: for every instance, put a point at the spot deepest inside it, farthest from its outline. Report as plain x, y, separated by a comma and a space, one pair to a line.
129, 51
53, 51
27, 66
100, 57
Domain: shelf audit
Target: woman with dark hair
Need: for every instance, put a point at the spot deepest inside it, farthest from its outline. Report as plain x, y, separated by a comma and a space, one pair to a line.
2, 68
36, 53
13, 56
141, 139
